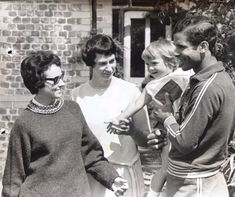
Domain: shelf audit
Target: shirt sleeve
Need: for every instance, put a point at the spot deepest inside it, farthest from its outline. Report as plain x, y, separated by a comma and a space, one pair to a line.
141, 127
199, 113
95, 162
17, 162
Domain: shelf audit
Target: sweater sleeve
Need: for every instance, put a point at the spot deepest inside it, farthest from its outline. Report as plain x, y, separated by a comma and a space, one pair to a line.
18, 159
201, 109
95, 162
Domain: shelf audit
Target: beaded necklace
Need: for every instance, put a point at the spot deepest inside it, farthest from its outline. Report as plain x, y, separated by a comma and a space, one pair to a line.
36, 107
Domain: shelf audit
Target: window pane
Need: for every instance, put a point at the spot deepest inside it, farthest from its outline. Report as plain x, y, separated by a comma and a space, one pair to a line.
115, 26
143, 2
137, 47
120, 2
157, 29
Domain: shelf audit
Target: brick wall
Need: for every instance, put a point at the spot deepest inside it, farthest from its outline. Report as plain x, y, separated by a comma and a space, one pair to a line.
57, 25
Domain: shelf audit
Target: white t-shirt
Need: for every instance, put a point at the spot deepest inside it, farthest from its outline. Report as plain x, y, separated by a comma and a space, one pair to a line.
100, 106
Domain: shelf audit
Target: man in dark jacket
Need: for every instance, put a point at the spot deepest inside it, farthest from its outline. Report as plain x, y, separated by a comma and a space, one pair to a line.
199, 134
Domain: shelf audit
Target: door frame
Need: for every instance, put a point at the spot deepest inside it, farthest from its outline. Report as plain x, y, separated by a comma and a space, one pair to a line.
128, 15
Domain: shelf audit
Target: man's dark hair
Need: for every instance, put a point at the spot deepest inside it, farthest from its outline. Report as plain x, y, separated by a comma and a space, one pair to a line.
33, 68
190, 20
101, 44
197, 29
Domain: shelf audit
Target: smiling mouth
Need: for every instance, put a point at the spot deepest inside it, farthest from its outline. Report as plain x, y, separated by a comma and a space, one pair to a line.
154, 72
56, 90
108, 73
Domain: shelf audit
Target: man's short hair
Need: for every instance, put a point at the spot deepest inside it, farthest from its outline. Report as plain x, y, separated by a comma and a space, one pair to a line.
197, 29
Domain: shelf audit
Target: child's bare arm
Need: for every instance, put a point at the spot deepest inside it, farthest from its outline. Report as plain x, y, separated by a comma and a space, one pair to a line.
134, 107
119, 123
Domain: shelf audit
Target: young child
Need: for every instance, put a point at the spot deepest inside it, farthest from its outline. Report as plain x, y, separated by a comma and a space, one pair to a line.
162, 64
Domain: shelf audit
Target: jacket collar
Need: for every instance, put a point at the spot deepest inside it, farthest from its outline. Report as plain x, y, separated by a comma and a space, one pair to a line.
205, 73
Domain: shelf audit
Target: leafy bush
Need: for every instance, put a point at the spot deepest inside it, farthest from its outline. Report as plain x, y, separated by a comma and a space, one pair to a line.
221, 11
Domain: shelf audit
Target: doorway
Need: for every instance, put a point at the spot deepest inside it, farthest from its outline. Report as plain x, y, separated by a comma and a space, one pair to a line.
140, 29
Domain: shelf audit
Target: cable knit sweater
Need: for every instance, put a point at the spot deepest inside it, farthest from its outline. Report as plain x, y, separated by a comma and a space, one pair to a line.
50, 155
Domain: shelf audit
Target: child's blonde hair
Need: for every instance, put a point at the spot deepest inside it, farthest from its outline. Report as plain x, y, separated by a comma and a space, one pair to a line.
164, 48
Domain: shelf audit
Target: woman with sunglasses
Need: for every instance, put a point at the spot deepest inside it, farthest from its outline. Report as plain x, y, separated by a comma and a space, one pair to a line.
51, 148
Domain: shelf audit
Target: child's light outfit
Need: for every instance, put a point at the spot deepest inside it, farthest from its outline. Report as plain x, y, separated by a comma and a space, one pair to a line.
174, 83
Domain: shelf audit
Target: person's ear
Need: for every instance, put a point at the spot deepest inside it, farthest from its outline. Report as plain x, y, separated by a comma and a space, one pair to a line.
203, 47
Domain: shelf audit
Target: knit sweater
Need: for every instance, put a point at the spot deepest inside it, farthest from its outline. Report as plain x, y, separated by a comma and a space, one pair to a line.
49, 155
207, 118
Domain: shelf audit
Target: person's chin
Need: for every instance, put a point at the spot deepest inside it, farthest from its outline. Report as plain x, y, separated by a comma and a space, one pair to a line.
155, 74
184, 67
58, 94
108, 77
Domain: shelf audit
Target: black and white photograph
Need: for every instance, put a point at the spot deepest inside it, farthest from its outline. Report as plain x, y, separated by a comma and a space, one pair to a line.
109, 98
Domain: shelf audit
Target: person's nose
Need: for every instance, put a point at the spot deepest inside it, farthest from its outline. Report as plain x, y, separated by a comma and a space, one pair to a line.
110, 67
177, 52
61, 83
151, 68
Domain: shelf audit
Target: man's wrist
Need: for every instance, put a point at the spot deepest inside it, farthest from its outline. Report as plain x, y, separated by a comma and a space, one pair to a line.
169, 121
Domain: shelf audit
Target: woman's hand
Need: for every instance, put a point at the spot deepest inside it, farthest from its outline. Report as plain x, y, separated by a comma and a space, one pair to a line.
119, 186
120, 126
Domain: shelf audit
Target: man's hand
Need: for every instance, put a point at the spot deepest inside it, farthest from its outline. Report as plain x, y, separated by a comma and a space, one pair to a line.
119, 186
157, 139
166, 110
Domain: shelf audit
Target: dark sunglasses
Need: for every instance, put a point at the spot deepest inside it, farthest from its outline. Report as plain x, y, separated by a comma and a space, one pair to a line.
57, 79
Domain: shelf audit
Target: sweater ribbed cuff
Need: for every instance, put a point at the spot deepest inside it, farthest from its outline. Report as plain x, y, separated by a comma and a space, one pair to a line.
169, 121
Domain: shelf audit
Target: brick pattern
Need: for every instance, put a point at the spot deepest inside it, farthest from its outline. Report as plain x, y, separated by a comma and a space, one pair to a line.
57, 25
3, 152
8, 117
104, 16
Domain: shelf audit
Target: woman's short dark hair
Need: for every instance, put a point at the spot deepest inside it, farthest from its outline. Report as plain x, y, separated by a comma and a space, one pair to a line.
33, 68
101, 44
